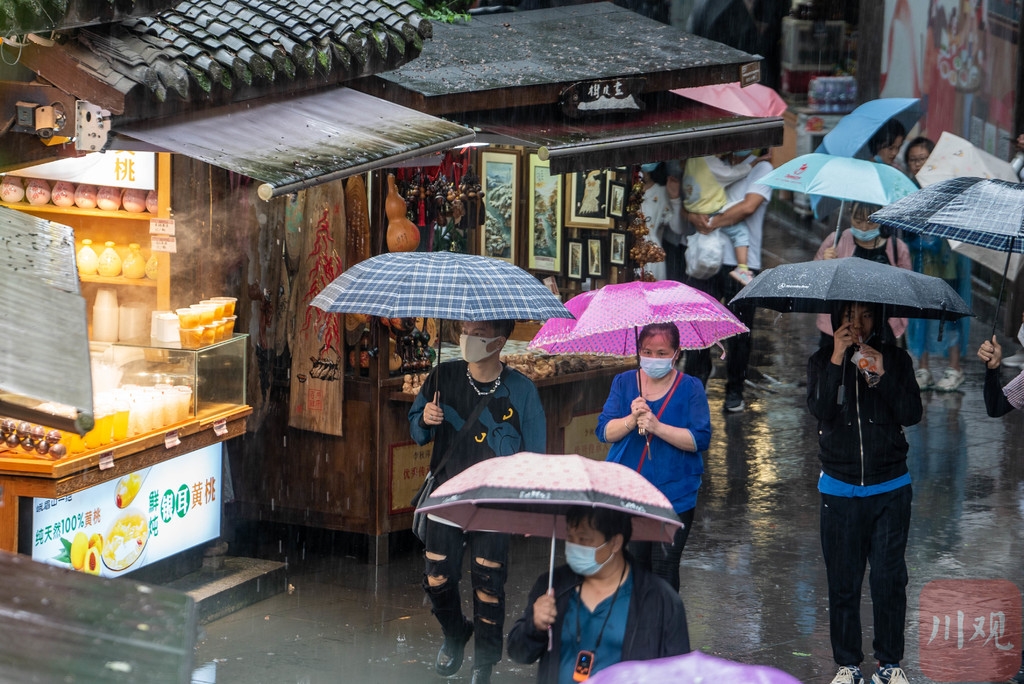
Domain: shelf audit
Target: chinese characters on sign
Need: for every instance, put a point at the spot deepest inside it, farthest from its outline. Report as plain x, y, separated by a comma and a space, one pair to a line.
970, 630
410, 463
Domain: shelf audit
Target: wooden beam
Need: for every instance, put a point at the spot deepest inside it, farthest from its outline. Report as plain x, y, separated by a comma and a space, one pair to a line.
870, 28
60, 68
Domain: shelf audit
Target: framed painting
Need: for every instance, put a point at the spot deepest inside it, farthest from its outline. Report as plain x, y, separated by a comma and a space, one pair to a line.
595, 257
616, 199
575, 258
499, 182
545, 214
587, 200
617, 248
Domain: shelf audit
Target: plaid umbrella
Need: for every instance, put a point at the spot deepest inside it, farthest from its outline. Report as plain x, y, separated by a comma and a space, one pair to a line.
986, 212
530, 493
458, 287
608, 319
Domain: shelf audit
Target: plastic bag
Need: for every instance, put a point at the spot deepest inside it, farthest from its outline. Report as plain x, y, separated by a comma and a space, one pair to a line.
704, 254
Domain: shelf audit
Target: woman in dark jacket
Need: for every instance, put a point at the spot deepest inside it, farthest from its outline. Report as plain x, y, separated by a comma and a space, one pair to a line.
602, 608
863, 392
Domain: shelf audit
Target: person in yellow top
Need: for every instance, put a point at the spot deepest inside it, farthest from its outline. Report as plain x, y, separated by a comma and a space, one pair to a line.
704, 181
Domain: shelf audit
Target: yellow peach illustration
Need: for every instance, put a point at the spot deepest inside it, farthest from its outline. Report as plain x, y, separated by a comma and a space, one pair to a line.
96, 542
79, 546
93, 561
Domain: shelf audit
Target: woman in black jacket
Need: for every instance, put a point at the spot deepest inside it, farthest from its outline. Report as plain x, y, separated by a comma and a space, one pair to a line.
602, 608
863, 392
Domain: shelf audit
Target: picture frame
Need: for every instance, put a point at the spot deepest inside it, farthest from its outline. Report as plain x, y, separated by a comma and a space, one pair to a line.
575, 259
616, 199
617, 248
595, 257
499, 183
545, 217
586, 200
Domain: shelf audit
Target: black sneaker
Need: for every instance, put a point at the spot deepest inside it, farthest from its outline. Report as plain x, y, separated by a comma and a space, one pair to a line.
734, 403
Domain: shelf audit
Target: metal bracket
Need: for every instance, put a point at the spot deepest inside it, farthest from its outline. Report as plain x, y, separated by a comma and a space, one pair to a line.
92, 127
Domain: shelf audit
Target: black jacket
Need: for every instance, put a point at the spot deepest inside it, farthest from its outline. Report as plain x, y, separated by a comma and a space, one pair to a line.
860, 429
655, 623
996, 403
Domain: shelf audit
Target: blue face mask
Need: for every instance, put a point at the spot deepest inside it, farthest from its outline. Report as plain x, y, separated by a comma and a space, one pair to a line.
865, 235
656, 368
583, 559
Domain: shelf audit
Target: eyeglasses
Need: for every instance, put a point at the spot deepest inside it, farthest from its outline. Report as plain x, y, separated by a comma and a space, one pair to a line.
917, 160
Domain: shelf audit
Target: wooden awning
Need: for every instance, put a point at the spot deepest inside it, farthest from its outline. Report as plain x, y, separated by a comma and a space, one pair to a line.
295, 143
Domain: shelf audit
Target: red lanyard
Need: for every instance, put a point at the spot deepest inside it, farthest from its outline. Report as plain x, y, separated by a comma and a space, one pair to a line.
679, 376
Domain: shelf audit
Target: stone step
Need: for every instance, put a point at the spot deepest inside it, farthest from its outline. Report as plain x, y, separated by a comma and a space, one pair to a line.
229, 583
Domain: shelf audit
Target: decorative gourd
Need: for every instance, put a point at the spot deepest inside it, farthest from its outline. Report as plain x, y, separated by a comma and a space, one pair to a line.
11, 189
37, 191
63, 194
403, 235
85, 196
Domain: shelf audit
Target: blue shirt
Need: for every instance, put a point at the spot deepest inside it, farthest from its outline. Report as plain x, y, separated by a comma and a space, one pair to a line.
609, 651
833, 487
676, 473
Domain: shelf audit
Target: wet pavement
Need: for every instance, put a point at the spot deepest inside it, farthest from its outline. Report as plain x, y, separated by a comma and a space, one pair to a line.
753, 581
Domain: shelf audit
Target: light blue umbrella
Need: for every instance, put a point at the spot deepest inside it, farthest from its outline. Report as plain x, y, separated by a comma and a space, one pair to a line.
851, 135
841, 178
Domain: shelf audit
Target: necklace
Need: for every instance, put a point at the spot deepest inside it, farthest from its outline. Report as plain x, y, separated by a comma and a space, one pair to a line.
480, 392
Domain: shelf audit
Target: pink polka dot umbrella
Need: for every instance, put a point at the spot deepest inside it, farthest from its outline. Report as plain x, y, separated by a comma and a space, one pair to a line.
608, 319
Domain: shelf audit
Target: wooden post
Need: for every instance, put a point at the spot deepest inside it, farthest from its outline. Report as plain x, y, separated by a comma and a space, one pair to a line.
869, 48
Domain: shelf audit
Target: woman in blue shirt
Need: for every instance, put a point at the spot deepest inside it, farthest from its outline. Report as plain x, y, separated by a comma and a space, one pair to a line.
658, 422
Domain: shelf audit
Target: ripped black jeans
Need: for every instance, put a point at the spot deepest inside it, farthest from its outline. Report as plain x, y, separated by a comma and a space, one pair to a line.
488, 616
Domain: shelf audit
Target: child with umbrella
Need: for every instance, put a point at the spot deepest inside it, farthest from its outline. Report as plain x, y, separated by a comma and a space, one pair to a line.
862, 391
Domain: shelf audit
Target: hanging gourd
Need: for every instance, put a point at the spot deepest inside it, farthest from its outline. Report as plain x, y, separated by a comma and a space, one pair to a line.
403, 235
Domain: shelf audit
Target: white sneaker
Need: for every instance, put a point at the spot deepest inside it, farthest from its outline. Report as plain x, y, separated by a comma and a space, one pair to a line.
889, 675
1015, 361
951, 380
848, 675
923, 377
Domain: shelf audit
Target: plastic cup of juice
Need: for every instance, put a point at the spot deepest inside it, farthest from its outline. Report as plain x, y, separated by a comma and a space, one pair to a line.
209, 334
206, 313
229, 304
229, 326
219, 313
73, 441
188, 318
191, 338
102, 432
182, 401
222, 329
121, 415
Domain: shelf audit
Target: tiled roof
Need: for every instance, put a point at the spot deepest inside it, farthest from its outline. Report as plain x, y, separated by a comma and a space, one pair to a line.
214, 49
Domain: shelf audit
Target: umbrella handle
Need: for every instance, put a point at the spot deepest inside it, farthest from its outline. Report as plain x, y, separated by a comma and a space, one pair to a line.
839, 224
551, 583
639, 431
1002, 286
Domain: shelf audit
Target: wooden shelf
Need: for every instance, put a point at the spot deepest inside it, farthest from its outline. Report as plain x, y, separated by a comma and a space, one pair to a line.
117, 280
76, 211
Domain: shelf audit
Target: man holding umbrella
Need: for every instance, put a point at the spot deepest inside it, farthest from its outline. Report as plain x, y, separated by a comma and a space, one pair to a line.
863, 392
473, 409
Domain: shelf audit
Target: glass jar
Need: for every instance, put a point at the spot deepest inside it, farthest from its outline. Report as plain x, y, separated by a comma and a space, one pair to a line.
152, 267
88, 260
134, 265
110, 261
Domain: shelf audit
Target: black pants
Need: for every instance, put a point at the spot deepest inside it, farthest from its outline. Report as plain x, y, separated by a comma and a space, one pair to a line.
737, 348
446, 601
663, 559
856, 531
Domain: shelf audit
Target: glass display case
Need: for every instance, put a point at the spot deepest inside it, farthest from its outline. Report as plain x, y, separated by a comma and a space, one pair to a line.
212, 377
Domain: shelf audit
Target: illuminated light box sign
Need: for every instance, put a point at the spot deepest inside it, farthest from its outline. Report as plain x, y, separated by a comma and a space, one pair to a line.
133, 521
120, 168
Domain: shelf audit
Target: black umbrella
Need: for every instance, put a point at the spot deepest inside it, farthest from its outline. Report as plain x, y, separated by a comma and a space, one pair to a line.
816, 286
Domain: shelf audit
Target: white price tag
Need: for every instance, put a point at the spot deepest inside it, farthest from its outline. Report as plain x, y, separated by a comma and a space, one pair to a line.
161, 226
163, 243
171, 439
220, 427
106, 460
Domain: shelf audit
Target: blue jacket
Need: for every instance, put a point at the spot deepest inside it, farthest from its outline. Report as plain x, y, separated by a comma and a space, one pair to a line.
676, 473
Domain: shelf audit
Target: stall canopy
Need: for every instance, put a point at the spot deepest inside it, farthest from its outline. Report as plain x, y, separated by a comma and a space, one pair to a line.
44, 349
290, 144
587, 85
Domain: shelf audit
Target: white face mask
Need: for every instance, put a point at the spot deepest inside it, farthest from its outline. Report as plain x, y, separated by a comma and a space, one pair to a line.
474, 349
1020, 334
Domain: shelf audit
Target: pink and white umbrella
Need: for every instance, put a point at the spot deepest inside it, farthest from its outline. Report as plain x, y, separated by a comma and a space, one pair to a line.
529, 494
753, 100
608, 319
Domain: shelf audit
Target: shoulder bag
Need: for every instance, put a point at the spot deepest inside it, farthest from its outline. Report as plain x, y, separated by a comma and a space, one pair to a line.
419, 520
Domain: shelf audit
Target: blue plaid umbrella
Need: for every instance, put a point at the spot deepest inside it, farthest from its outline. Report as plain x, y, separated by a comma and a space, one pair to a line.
457, 287
986, 212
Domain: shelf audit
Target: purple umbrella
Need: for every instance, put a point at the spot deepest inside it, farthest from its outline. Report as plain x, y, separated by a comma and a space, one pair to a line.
689, 669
